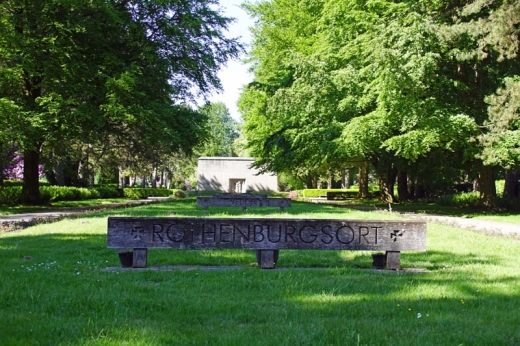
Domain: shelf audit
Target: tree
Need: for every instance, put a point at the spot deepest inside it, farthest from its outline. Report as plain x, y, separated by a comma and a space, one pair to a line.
222, 130
99, 71
492, 30
396, 84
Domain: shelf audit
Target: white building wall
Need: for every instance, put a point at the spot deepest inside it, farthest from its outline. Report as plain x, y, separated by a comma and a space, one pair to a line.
227, 174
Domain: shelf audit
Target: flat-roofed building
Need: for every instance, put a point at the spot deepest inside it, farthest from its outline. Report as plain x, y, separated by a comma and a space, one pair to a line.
232, 174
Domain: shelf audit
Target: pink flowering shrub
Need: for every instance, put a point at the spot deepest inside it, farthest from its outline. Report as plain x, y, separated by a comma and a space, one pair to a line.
293, 195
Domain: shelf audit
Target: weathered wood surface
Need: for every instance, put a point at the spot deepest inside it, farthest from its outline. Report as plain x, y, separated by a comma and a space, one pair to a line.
265, 234
243, 202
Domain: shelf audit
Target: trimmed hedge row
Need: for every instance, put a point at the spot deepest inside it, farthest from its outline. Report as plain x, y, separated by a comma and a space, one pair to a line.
332, 194
463, 199
11, 195
64, 193
314, 193
143, 193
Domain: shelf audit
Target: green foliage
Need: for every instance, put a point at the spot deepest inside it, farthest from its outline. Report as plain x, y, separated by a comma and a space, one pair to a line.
313, 193
179, 194
158, 192
332, 195
135, 193
104, 75
222, 131
9, 183
64, 193
462, 200
393, 84
501, 141
10, 195
144, 193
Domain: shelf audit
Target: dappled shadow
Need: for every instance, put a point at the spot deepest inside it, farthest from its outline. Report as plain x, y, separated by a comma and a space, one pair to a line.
209, 184
188, 207
259, 187
226, 307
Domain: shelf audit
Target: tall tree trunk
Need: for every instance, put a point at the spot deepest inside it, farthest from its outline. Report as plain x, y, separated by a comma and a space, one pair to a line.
420, 191
488, 192
345, 182
31, 177
123, 180
58, 174
411, 187
511, 187
402, 186
154, 177
3, 164
363, 180
309, 183
386, 185
330, 181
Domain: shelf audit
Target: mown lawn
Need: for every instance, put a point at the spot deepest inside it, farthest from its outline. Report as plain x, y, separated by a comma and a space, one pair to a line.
60, 286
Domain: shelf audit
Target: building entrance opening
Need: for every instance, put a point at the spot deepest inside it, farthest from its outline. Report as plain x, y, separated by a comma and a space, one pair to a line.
237, 185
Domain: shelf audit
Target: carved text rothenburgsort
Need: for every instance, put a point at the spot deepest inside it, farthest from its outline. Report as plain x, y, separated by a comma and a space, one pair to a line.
198, 233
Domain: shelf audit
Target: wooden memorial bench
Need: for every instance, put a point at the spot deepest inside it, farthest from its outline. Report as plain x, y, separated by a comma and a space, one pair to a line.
266, 236
242, 200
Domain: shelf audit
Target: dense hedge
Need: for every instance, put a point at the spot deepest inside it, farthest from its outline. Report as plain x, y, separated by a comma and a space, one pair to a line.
331, 195
334, 193
11, 194
463, 199
65, 193
143, 193
314, 193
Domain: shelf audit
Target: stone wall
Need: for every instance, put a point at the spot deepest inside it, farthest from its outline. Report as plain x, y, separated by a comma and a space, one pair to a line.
232, 174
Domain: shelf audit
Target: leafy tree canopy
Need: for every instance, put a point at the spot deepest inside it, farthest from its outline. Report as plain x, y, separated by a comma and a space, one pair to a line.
107, 70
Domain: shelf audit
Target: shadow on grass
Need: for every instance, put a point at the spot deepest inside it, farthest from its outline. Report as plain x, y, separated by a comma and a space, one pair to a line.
188, 207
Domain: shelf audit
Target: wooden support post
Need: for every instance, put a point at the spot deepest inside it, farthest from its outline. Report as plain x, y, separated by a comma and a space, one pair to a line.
267, 258
140, 258
393, 260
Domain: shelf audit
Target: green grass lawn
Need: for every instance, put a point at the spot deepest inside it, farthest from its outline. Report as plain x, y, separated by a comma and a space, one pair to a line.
5, 210
56, 289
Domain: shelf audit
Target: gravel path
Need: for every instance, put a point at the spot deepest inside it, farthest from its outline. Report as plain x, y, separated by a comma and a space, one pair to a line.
488, 227
20, 221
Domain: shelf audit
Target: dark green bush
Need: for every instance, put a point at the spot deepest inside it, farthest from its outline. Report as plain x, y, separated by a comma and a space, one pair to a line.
109, 191
135, 193
10, 195
179, 194
331, 195
463, 199
313, 193
68, 193
158, 192
509, 203
64, 193
11, 183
